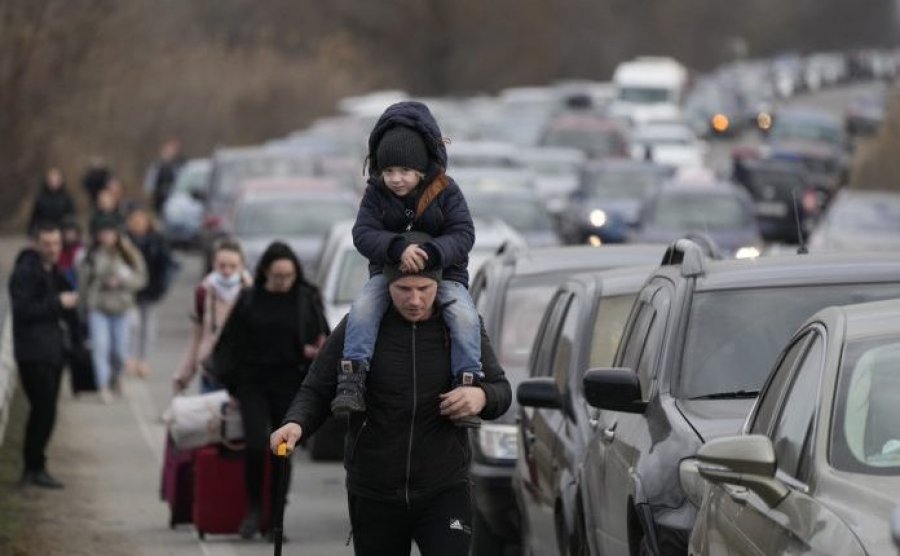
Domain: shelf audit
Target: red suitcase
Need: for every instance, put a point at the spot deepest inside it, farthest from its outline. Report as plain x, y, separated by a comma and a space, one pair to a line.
178, 483
220, 499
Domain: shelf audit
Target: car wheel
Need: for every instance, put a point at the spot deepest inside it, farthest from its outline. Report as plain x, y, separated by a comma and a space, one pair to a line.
484, 541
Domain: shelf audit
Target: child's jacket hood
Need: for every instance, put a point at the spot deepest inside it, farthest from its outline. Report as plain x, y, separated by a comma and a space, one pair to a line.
417, 116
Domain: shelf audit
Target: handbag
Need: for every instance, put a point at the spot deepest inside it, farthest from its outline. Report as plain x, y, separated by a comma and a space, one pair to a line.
195, 421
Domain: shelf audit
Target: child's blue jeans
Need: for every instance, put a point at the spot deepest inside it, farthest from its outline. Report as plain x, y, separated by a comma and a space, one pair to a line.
459, 312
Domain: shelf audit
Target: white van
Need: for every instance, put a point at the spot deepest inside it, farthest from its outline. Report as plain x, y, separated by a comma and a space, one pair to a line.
649, 88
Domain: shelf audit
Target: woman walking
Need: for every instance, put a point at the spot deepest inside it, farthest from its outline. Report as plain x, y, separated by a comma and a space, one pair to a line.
214, 298
271, 336
110, 275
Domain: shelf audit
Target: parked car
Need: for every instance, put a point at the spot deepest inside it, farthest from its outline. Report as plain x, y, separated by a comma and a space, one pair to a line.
859, 219
695, 352
511, 291
713, 110
522, 210
297, 211
556, 171
668, 144
183, 212
721, 210
580, 330
597, 136
865, 112
483, 154
606, 203
786, 203
817, 470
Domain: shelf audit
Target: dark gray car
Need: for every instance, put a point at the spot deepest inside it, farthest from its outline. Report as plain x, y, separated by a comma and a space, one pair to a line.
698, 346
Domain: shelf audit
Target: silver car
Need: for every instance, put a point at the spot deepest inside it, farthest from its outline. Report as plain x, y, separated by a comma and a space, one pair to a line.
817, 470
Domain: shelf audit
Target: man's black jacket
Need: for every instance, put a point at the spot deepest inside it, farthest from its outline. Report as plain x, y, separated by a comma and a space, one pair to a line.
402, 449
38, 336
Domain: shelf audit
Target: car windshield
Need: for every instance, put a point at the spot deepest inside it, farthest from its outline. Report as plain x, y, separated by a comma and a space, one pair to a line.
697, 211
880, 214
599, 142
866, 429
523, 309
353, 271
522, 214
643, 95
290, 217
734, 336
230, 174
627, 185
807, 129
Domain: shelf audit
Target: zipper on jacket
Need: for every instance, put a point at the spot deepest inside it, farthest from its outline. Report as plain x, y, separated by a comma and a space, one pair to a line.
412, 422
356, 441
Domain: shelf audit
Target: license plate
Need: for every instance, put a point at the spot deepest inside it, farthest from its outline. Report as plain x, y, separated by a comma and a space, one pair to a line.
772, 209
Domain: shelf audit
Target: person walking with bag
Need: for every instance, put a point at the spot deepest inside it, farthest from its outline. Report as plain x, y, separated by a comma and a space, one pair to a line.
41, 300
407, 462
214, 298
111, 274
273, 333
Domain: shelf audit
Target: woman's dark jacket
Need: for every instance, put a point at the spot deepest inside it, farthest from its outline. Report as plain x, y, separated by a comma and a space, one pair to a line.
229, 362
51, 206
158, 257
38, 336
436, 207
401, 449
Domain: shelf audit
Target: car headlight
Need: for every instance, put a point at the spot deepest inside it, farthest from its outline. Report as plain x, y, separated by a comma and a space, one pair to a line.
747, 252
692, 484
597, 217
499, 441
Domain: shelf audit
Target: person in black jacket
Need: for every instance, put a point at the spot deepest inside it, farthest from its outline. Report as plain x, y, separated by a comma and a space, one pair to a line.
53, 203
41, 301
160, 270
407, 464
272, 334
408, 189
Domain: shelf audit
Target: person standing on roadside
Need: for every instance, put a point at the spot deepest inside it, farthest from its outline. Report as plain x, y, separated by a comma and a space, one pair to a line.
41, 301
53, 203
160, 270
160, 176
109, 277
214, 299
407, 462
95, 178
273, 333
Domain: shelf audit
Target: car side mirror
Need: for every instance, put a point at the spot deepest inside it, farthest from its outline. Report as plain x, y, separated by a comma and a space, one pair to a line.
615, 389
539, 392
747, 461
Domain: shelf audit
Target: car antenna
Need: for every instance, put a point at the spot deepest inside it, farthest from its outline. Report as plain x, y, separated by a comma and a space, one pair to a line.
802, 249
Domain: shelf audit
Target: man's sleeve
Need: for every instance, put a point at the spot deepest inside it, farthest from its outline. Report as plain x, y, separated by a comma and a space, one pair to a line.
369, 236
312, 404
27, 304
497, 390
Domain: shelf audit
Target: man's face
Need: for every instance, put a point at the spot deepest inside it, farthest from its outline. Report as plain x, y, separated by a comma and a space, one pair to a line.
49, 245
413, 296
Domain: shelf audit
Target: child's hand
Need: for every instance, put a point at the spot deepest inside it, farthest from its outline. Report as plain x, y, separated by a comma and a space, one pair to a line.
413, 259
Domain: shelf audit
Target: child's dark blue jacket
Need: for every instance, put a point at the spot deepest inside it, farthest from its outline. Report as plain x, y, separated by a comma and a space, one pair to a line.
436, 207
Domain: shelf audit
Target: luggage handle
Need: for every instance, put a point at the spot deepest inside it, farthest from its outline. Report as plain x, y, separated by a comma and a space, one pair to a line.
278, 521
223, 438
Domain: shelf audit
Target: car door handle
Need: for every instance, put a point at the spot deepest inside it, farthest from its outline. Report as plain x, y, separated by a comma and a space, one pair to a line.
609, 433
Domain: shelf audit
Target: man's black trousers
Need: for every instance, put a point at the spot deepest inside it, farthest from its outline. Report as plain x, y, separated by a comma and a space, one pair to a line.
440, 526
40, 382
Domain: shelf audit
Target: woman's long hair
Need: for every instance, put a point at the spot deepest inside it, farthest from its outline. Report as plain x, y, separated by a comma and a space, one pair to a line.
276, 251
128, 255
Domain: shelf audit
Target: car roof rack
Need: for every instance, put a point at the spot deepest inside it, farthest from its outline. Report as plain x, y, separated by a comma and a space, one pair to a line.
688, 254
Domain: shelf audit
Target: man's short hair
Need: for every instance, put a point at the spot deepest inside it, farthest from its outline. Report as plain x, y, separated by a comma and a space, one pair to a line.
44, 228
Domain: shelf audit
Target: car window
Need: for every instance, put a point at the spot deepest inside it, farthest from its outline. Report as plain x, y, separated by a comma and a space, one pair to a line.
609, 323
353, 273
480, 294
866, 427
565, 346
733, 336
523, 308
795, 421
637, 334
764, 413
546, 341
290, 217
646, 367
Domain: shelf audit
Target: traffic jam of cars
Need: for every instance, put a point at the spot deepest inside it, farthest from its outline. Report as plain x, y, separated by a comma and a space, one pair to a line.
699, 316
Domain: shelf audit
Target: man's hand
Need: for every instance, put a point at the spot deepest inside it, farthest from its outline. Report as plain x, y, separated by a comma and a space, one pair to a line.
413, 259
289, 434
462, 402
69, 300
